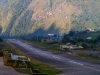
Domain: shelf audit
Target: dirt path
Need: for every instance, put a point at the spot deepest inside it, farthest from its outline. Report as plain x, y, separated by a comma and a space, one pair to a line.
7, 70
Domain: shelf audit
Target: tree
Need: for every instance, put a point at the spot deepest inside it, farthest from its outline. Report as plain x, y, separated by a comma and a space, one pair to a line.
71, 33
1, 40
73, 41
80, 40
98, 38
65, 39
84, 45
51, 3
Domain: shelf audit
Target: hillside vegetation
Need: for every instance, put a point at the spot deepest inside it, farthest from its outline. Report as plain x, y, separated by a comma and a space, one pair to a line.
40, 17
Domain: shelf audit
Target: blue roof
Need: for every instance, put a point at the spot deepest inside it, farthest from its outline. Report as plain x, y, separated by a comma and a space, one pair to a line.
15, 57
55, 38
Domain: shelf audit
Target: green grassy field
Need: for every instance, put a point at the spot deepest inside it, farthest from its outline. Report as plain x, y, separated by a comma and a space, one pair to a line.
50, 46
25, 71
89, 57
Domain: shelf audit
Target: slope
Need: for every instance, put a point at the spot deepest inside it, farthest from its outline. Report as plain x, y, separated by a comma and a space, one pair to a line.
40, 17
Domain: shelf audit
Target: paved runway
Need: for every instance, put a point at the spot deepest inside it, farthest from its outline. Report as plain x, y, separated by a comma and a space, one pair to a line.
69, 65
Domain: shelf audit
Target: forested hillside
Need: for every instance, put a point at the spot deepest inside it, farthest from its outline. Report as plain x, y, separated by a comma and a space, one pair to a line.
40, 17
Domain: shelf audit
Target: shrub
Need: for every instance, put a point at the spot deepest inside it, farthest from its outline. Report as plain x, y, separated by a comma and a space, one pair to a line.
53, 42
85, 45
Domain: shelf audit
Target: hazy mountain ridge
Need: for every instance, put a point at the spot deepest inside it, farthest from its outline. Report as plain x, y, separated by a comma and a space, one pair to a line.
40, 17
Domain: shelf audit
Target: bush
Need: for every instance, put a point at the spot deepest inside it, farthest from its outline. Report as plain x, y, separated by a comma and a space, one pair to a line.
1, 40
1, 54
85, 45
66, 39
53, 42
73, 41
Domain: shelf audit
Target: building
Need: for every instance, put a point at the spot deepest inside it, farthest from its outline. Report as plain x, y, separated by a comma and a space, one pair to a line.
89, 38
69, 46
55, 38
19, 57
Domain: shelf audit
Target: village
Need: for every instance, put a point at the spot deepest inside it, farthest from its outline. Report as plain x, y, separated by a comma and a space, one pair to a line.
86, 43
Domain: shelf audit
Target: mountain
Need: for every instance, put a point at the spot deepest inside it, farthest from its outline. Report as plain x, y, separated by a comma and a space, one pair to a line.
42, 17
3, 2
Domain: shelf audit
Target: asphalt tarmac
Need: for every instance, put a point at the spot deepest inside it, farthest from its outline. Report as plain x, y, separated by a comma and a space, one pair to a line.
68, 64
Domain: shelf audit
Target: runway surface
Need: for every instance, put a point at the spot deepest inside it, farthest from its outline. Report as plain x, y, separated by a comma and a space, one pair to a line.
68, 64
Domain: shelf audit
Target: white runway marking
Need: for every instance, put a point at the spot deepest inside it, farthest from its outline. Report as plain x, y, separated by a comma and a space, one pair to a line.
37, 51
84, 66
44, 53
92, 68
56, 57
76, 63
